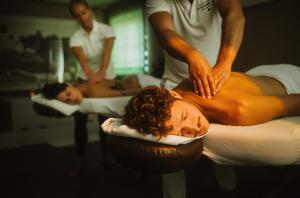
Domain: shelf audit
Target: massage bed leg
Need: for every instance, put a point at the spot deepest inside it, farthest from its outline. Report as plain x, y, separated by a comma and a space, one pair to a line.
226, 177
80, 133
174, 184
102, 136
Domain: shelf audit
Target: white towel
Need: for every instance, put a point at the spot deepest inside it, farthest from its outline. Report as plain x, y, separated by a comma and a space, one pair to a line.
114, 126
105, 106
288, 75
64, 108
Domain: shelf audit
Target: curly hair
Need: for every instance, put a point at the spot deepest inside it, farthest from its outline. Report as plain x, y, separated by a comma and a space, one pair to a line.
148, 111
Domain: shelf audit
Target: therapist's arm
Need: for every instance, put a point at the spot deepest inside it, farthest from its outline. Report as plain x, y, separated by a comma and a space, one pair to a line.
78, 53
176, 46
109, 42
233, 22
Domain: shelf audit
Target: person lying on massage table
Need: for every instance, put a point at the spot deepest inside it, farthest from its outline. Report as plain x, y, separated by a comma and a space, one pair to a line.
70, 94
262, 94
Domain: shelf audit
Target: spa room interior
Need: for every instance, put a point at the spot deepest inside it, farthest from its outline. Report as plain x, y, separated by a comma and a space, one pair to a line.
37, 152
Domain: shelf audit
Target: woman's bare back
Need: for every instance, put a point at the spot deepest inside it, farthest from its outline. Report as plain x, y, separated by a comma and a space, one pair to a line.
224, 107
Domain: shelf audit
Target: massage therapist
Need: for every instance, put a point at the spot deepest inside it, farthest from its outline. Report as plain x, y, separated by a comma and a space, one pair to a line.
91, 44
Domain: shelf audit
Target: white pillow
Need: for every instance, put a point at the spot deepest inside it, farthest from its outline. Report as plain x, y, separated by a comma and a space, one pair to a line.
114, 126
64, 108
105, 106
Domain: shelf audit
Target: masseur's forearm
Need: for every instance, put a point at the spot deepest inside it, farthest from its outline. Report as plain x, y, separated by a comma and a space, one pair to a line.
177, 47
233, 23
106, 54
173, 43
78, 53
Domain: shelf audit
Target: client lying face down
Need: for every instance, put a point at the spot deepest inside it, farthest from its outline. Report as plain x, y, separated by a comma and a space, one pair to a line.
244, 100
107, 88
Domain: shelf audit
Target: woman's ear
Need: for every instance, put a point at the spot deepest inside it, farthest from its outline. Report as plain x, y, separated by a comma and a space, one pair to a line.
175, 94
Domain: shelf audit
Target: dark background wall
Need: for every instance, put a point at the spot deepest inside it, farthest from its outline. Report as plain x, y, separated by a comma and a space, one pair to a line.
272, 35
41, 9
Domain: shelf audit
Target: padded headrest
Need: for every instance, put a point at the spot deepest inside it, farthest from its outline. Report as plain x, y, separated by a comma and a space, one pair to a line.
150, 157
46, 111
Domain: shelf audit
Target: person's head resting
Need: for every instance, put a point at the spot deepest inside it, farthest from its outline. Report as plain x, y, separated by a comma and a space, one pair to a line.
161, 112
82, 13
63, 92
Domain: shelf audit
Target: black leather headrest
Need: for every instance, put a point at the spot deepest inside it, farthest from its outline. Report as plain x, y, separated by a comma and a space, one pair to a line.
151, 157
46, 111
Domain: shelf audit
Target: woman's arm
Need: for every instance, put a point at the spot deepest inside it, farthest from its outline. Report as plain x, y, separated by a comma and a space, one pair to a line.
233, 22
258, 109
176, 46
109, 42
78, 53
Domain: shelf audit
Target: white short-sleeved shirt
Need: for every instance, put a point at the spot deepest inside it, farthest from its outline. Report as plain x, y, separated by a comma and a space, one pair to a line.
198, 23
93, 45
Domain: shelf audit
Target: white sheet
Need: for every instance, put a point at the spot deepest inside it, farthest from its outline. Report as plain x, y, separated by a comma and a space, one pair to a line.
276, 142
105, 106
111, 107
287, 74
64, 108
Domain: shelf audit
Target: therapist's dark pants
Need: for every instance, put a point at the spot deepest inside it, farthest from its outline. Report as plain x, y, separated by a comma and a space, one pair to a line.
80, 130
81, 133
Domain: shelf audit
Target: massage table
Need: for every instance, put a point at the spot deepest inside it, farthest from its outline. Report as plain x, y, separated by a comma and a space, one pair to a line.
275, 143
229, 145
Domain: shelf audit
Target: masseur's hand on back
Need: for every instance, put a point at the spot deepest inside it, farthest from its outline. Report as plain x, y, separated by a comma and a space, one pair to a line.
93, 77
201, 74
199, 69
97, 77
221, 74
208, 81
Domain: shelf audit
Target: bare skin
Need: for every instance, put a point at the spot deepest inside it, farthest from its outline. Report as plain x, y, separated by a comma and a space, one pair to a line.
84, 17
244, 100
207, 80
107, 88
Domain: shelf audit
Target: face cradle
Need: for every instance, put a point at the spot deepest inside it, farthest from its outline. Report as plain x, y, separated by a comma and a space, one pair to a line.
71, 95
83, 15
186, 119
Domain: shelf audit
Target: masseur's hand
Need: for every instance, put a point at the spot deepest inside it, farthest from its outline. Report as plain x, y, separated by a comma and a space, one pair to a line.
221, 74
91, 76
201, 75
99, 76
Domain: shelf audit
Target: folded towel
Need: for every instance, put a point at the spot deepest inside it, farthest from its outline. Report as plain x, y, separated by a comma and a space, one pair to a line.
287, 74
64, 108
105, 106
114, 126
113, 106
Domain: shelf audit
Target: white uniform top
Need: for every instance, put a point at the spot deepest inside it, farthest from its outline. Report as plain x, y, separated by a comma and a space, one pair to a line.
93, 45
198, 23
